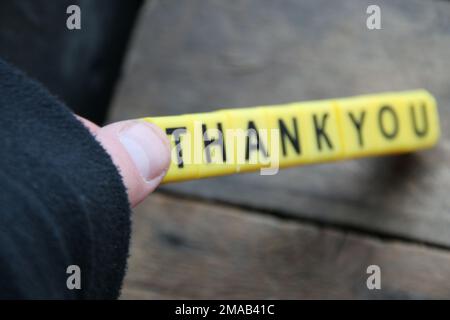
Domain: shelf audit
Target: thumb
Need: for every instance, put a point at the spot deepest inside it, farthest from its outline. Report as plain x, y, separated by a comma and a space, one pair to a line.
141, 152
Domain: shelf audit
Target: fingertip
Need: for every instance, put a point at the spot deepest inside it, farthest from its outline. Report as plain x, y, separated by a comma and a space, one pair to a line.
92, 127
141, 152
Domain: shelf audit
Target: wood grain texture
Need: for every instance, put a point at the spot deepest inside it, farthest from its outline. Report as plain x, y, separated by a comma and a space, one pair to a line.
186, 249
199, 55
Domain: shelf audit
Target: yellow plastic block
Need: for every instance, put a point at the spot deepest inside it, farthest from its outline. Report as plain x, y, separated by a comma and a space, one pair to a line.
287, 138
423, 122
319, 125
358, 118
248, 139
180, 131
213, 151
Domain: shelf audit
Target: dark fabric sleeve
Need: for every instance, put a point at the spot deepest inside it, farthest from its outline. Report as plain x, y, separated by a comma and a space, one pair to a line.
62, 201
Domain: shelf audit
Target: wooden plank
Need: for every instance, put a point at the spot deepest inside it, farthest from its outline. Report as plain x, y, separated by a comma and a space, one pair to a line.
188, 249
198, 55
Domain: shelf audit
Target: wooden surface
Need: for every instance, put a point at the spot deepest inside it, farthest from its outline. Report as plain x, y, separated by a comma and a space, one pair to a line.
187, 249
285, 235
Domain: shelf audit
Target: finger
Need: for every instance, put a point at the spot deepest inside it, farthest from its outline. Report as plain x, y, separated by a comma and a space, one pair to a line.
141, 152
93, 128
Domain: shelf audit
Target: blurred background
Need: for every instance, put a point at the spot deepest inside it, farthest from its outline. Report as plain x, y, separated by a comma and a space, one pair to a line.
307, 232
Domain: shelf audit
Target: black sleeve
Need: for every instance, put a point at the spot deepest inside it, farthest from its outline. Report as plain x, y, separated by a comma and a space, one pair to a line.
62, 201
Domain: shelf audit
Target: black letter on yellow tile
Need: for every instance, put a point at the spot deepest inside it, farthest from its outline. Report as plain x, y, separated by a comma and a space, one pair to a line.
176, 134
358, 125
381, 113
219, 141
251, 130
284, 132
320, 131
420, 132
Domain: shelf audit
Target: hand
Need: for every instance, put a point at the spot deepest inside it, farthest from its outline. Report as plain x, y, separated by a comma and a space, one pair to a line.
139, 149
